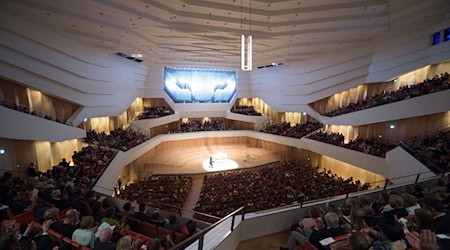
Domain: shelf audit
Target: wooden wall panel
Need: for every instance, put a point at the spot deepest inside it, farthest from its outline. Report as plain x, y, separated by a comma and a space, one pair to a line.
44, 154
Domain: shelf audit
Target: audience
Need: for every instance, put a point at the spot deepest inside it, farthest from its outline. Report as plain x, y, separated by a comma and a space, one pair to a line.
297, 131
155, 112
273, 185
373, 229
196, 126
369, 146
171, 190
245, 110
104, 241
436, 84
118, 139
433, 151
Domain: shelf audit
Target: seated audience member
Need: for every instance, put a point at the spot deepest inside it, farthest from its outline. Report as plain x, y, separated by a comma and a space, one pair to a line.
441, 220
355, 241
109, 218
155, 244
51, 214
410, 203
332, 229
357, 216
189, 230
125, 243
173, 225
58, 201
127, 209
423, 218
68, 225
85, 235
157, 219
313, 221
32, 170
141, 214
104, 241
391, 236
395, 201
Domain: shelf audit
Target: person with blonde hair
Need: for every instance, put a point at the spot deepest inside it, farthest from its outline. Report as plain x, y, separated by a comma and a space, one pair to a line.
410, 203
357, 215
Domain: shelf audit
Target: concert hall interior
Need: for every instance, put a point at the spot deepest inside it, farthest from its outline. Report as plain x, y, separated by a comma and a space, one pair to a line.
224, 124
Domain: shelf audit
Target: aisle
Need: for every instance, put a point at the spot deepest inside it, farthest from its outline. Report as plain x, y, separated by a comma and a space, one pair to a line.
193, 195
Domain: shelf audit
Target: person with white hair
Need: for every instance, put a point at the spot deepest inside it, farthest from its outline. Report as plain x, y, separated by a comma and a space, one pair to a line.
104, 241
315, 235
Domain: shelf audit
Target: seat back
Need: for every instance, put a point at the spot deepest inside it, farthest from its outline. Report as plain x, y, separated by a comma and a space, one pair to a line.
148, 229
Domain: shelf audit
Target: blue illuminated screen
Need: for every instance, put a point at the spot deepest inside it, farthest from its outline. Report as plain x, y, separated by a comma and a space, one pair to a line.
186, 85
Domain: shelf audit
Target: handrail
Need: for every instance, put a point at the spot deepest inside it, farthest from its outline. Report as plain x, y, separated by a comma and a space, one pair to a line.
200, 235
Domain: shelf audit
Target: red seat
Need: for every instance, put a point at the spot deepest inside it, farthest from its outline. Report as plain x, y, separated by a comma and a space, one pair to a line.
24, 218
131, 233
148, 229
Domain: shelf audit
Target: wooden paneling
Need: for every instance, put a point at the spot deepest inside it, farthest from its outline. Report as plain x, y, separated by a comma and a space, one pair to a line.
272, 114
156, 102
44, 154
343, 98
404, 128
13, 92
107, 124
340, 168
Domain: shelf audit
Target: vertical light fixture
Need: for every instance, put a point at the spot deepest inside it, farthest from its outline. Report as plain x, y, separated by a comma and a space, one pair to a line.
246, 44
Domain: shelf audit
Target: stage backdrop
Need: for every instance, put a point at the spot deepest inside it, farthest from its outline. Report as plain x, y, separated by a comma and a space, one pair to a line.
198, 85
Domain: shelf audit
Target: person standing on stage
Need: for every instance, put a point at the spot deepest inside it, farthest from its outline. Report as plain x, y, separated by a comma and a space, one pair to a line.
211, 162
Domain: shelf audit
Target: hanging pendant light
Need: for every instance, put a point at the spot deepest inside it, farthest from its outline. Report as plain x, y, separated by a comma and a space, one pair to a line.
246, 44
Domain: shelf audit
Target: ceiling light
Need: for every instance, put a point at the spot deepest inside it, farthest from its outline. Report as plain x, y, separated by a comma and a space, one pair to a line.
2, 151
246, 44
392, 126
304, 113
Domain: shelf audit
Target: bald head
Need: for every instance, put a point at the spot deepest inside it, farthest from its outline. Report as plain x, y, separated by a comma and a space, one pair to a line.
105, 235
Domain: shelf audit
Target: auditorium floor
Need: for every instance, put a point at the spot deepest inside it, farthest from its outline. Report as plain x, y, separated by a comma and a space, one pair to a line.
268, 242
189, 160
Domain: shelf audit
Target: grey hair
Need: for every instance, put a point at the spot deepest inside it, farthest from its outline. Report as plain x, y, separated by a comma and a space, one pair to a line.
332, 220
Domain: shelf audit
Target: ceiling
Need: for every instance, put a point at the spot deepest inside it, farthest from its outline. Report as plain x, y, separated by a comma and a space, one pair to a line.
208, 31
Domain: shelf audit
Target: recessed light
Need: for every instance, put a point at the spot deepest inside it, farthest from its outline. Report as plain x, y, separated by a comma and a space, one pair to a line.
392, 126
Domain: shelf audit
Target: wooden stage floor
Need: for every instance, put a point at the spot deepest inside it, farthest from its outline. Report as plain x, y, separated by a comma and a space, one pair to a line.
190, 160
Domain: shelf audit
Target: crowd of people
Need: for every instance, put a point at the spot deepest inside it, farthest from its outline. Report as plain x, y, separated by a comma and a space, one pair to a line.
171, 190
196, 126
245, 110
155, 112
119, 139
371, 146
436, 84
297, 131
433, 151
273, 185
61, 201
410, 219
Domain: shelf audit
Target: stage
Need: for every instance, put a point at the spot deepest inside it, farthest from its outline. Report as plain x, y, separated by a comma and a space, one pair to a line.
196, 159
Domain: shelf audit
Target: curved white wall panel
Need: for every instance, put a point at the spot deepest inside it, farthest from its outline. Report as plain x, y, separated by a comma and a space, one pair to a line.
47, 61
289, 87
22, 126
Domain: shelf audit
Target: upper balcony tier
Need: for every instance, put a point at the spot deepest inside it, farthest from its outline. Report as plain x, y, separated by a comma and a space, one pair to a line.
22, 126
417, 106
